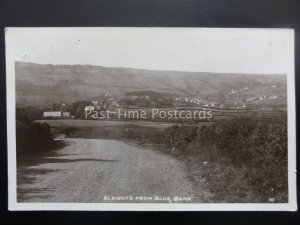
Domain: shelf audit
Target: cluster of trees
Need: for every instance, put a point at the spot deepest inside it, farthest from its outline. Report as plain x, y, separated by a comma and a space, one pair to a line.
30, 113
75, 108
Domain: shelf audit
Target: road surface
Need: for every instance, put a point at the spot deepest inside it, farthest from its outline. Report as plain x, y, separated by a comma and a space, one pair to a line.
96, 170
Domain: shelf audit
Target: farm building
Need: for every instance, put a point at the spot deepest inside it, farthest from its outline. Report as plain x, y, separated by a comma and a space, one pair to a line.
56, 114
53, 114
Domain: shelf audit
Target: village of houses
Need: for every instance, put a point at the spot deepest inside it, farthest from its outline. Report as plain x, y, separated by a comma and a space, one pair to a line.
233, 101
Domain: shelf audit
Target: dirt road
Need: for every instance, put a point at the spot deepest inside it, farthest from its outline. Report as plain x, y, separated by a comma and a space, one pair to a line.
96, 170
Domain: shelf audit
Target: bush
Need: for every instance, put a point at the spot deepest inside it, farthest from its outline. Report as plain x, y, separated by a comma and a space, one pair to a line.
179, 136
32, 137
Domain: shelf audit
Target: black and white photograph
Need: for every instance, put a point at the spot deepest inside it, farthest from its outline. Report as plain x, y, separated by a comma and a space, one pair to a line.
147, 119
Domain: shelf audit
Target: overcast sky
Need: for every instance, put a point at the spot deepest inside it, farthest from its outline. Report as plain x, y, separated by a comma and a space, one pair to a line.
202, 50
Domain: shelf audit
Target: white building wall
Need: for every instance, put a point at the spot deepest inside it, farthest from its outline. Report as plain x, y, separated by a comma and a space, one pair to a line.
52, 114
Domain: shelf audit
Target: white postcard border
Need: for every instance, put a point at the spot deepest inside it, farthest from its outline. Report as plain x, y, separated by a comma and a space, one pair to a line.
11, 33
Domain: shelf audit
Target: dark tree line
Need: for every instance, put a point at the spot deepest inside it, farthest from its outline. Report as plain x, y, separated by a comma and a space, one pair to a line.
32, 137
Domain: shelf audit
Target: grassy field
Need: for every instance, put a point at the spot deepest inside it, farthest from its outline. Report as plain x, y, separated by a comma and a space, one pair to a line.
97, 123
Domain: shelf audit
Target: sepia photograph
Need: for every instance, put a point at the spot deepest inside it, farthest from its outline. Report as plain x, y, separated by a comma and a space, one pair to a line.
151, 119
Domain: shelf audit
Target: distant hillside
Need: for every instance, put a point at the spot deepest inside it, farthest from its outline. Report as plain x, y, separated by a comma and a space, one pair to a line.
41, 85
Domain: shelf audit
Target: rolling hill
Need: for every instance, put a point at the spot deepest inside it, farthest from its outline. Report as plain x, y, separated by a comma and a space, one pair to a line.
41, 85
